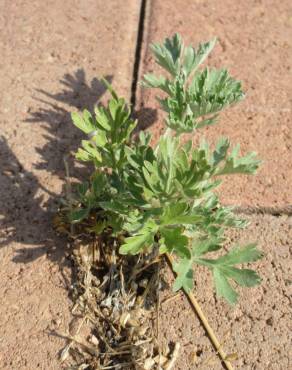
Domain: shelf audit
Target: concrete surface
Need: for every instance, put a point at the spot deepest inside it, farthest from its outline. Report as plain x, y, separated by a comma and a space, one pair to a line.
52, 55
254, 43
258, 328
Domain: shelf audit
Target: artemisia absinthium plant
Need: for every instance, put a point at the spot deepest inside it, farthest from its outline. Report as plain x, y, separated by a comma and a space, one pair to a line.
162, 196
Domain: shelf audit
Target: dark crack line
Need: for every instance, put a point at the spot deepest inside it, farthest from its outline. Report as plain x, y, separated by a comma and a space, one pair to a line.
262, 210
138, 52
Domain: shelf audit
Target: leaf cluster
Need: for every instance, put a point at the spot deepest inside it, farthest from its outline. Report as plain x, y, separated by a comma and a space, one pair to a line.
162, 196
194, 96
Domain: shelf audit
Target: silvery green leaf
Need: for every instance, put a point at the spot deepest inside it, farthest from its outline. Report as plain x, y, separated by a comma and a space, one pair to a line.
150, 80
243, 254
220, 152
144, 239
223, 287
83, 155
184, 279
247, 164
243, 277
193, 58
167, 54
201, 247
207, 122
81, 123
173, 240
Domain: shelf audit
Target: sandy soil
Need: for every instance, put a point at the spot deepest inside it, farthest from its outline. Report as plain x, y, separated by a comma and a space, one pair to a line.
52, 54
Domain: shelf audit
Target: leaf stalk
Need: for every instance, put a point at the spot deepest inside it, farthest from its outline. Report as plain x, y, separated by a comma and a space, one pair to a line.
198, 310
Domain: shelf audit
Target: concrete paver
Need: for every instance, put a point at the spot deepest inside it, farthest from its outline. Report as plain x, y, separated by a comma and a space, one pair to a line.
52, 55
257, 328
254, 43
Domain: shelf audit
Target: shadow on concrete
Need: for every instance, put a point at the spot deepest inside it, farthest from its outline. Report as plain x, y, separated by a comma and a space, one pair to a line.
26, 207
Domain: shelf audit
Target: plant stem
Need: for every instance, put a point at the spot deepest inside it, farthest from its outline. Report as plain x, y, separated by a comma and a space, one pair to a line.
204, 320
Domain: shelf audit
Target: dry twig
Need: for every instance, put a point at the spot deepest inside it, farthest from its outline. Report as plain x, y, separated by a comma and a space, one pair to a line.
196, 307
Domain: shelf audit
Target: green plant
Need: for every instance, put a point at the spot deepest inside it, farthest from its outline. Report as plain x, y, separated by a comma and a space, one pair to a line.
161, 196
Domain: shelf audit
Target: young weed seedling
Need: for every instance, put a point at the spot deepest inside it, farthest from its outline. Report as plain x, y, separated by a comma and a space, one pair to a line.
162, 197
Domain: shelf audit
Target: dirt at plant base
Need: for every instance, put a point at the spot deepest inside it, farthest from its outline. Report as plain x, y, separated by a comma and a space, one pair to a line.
52, 55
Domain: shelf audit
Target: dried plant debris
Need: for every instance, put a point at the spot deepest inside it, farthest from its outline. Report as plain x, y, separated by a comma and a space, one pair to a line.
117, 298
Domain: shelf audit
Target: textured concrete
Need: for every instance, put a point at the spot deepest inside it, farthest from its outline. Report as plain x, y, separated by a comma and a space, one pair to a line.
254, 43
52, 55
258, 328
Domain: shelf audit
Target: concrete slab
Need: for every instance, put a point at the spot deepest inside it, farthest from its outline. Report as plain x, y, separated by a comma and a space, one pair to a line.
254, 43
52, 55
256, 330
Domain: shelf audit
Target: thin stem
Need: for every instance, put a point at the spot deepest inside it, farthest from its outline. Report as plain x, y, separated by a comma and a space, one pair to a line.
68, 190
204, 320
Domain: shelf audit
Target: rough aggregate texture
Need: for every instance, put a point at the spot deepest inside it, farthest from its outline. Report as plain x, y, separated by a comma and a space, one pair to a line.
254, 43
258, 328
52, 55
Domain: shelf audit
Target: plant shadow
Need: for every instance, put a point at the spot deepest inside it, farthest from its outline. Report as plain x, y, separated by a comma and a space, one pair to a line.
62, 136
27, 207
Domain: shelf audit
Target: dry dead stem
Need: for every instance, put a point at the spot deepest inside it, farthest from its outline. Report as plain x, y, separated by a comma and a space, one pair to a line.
117, 306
